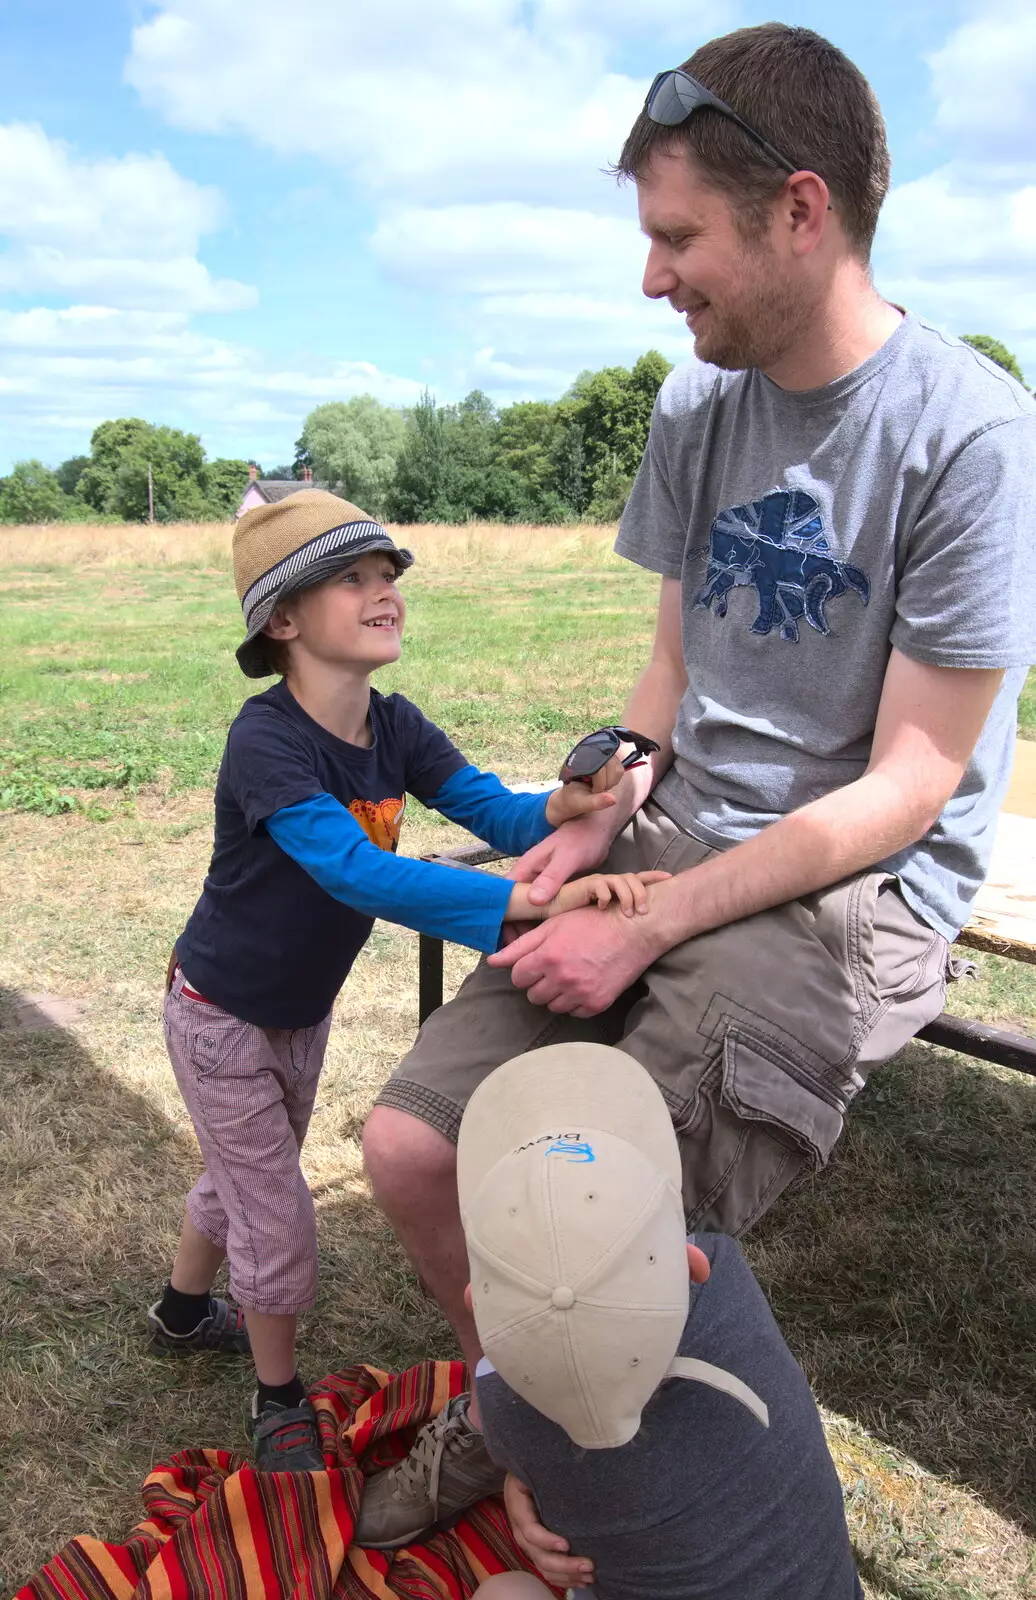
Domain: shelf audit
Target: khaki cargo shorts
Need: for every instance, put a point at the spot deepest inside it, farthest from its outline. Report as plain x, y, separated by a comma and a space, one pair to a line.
758, 1034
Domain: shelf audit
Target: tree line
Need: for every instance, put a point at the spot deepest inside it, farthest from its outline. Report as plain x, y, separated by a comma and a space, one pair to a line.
534, 461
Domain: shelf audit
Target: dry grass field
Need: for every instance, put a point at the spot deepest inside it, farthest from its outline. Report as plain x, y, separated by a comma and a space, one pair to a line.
904, 1277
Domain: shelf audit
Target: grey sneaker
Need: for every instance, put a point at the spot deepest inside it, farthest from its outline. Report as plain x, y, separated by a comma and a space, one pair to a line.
448, 1470
285, 1438
223, 1330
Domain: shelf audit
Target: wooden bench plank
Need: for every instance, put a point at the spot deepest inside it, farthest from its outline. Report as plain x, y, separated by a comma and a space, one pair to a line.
1004, 915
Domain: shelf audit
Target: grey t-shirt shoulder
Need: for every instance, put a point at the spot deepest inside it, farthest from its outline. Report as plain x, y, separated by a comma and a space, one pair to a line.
704, 1503
812, 533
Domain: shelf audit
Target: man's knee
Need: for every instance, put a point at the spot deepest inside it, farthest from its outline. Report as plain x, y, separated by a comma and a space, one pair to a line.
406, 1159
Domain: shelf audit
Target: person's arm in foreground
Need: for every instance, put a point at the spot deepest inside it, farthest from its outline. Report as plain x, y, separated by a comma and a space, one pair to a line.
651, 709
928, 724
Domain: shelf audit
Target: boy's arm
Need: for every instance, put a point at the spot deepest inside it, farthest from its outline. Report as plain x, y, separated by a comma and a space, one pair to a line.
512, 822
467, 908
327, 842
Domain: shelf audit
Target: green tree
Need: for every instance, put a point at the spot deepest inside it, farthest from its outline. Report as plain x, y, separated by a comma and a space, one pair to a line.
70, 472
97, 486
116, 481
993, 350
224, 481
32, 493
568, 459
530, 434
353, 446
421, 469
613, 408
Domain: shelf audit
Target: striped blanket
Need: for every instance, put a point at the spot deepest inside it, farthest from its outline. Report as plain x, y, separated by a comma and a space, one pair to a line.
216, 1528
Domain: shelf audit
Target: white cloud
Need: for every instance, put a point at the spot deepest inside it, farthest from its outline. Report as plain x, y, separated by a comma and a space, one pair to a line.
463, 100
984, 78
959, 244
99, 362
479, 131
508, 246
989, 233
123, 231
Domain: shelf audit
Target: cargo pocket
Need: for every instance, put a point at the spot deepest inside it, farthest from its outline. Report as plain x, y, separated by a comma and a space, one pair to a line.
759, 1122
761, 1083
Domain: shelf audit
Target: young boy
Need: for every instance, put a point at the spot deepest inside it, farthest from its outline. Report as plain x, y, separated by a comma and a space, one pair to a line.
309, 802
589, 1302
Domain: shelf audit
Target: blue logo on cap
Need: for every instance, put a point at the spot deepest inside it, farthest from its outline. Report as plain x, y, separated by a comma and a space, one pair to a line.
575, 1149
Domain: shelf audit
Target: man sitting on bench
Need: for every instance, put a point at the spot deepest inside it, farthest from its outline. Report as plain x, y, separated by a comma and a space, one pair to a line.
839, 502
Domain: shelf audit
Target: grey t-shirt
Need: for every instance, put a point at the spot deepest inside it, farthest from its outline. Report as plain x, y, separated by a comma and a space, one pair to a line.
704, 1503
812, 532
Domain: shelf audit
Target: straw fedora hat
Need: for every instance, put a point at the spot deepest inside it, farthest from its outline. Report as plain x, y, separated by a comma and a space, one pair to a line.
293, 545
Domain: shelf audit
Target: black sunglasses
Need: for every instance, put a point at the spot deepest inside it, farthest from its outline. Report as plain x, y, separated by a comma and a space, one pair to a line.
675, 95
597, 749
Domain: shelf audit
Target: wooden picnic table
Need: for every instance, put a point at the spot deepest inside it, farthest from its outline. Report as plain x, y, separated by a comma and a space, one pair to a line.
1002, 923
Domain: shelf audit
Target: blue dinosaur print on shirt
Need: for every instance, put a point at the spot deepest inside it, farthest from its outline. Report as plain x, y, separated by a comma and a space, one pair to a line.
776, 545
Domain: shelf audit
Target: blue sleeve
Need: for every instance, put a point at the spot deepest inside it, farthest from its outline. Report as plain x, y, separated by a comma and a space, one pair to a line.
448, 903
477, 800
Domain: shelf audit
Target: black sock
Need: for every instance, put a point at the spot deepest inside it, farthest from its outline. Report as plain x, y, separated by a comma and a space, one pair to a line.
282, 1394
181, 1312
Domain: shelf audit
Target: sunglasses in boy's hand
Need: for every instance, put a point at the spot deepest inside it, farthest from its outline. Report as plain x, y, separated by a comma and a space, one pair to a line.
597, 749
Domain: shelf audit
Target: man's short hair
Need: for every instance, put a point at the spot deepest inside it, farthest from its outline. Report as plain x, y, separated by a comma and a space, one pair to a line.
803, 95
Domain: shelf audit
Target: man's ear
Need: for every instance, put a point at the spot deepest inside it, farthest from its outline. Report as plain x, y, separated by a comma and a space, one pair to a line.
806, 204
467, 1296
280, 626
698, 1262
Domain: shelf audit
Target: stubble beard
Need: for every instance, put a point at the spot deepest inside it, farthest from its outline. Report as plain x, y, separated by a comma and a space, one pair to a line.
761, 321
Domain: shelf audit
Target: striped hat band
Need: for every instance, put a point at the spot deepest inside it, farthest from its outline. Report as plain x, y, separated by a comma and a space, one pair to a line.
367, 535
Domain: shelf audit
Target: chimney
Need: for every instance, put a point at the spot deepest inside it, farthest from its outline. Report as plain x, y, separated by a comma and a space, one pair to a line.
253, 473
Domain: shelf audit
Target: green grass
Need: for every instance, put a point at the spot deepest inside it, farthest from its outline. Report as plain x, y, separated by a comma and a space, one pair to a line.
111, 686
903, 1276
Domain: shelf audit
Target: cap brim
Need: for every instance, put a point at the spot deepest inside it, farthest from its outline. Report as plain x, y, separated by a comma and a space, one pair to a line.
251, 652
560, 1090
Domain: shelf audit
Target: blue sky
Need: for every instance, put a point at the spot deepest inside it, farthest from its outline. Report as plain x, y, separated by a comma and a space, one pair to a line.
218, 216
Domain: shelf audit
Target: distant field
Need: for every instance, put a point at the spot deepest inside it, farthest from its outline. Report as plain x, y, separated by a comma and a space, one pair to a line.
118, 669
904, 1278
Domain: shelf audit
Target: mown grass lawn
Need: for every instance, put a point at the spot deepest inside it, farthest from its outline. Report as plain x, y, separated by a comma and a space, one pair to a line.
904, 1277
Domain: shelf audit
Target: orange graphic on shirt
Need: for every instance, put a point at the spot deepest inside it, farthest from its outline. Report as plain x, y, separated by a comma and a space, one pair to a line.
381, 820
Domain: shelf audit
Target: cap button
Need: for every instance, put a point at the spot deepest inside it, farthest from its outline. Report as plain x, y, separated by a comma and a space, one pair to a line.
563, 1298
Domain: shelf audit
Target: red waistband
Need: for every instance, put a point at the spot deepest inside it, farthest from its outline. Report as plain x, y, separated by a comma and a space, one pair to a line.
192, 994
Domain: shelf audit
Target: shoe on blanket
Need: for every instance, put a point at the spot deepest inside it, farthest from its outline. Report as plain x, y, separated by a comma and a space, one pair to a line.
285, 1438
223, 1331
448, 1470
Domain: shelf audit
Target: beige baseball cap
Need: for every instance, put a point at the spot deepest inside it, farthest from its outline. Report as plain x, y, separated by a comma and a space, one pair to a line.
569, 1177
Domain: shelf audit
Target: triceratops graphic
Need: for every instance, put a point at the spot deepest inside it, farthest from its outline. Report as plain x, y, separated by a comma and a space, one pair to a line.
777, 545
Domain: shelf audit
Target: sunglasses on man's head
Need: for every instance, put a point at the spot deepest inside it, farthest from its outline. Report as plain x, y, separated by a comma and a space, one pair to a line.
597, 749
675, 95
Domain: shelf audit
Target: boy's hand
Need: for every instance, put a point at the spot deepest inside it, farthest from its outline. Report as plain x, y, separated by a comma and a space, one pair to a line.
629, 889
578, 799
547, 1551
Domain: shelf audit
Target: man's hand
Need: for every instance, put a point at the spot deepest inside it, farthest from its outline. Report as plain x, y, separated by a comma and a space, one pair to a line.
576, 848
547, 1551
580, 962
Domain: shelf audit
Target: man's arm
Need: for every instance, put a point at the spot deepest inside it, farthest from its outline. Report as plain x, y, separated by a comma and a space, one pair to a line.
929, 721
651, 709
